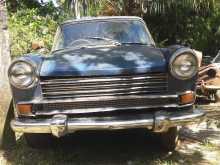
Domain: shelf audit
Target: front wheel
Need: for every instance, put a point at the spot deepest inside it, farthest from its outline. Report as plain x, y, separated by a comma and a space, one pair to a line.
169, 139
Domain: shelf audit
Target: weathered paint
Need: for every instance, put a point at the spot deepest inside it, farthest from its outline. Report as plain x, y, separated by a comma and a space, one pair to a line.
99, 61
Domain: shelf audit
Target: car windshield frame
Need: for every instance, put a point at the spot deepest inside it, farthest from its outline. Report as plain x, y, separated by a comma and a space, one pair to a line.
59, 37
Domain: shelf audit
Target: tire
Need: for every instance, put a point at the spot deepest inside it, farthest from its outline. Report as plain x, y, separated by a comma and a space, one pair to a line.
7, 135
169, 139
39, 140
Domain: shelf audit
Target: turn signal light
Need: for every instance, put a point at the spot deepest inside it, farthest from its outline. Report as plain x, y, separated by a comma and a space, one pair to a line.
187, 98
24, 109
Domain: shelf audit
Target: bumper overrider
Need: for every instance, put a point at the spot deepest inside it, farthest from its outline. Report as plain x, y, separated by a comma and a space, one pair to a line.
61, 124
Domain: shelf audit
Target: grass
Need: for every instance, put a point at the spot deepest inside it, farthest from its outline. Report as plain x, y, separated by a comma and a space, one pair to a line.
134, 147
208, 145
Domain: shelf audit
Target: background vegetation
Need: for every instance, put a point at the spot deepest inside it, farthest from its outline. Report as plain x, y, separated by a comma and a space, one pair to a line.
190, 22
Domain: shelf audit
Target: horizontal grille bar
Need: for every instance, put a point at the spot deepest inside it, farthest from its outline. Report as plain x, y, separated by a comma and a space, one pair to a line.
120, 103
103, 86
70, 87
103, 79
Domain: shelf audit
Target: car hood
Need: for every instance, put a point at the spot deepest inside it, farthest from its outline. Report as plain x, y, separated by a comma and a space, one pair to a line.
108, 60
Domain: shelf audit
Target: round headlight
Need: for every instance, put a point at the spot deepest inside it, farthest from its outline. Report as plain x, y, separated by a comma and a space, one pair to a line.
22, 74
184, 66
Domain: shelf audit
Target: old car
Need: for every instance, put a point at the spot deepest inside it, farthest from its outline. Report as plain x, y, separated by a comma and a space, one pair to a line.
104, 73
208, 83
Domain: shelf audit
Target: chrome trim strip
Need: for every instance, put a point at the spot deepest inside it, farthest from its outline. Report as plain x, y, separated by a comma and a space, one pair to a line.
108, 109
102, 91
92, 80
59, 125
100, 98
104, 85
94, 95
111, 78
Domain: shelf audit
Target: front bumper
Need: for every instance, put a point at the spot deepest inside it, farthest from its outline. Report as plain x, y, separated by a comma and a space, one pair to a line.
59, 125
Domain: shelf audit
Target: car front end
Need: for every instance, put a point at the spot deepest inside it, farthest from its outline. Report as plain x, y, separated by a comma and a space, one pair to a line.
64, 104
105, 88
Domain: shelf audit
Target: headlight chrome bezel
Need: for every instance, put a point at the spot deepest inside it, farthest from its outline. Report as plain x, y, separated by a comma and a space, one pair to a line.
33, 71
176, 55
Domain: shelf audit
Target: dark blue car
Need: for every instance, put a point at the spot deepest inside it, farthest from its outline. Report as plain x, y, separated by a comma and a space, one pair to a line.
104, 73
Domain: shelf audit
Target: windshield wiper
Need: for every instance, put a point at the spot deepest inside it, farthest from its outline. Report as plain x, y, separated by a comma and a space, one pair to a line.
105, 39
57, 50
84, 46
70, 48
137, 43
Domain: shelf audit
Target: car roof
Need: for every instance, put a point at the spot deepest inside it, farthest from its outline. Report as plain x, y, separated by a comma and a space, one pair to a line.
101, 18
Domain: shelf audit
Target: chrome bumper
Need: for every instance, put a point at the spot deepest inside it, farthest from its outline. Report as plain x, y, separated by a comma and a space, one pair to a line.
59, 125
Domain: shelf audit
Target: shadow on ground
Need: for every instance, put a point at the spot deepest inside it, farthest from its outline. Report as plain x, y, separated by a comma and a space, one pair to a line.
133, 147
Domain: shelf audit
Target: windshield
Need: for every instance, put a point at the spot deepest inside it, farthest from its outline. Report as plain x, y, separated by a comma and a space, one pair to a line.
102, 32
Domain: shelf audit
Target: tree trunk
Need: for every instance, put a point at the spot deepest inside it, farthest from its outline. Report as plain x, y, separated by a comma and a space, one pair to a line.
77, 10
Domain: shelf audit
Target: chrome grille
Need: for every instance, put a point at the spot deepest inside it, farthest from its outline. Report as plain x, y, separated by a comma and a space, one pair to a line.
70, 87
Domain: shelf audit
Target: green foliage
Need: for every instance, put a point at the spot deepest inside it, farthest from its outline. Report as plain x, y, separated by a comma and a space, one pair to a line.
27, 26
192, 22
198, 7
14, 5
180, 25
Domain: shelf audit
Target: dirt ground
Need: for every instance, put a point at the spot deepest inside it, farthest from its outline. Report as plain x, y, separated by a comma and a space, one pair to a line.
199, 145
